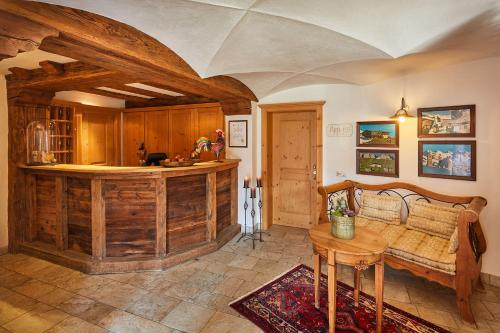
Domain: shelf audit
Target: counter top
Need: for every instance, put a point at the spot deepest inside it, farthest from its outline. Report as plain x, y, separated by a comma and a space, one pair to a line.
202, 167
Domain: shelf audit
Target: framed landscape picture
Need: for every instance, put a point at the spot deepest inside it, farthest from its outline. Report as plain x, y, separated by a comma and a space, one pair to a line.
447, 159
377, 162
378, 134
238, 133
447, 121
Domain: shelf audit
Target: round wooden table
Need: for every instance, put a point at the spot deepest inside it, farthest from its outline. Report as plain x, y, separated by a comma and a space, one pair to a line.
366, 249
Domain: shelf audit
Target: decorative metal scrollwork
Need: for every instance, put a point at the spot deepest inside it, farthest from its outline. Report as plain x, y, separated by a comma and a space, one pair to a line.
331, 199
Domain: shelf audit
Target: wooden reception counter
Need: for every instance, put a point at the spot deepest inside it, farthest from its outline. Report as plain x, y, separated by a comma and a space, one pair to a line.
100, 219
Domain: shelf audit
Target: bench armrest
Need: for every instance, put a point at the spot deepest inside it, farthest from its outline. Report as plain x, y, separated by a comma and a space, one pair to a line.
472, 242
471, 213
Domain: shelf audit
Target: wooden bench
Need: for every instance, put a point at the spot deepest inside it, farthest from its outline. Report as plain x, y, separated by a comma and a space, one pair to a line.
471, 241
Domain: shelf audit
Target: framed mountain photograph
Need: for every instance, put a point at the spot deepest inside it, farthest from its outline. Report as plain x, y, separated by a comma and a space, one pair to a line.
377, 162
447, 159
384, 134
447, 121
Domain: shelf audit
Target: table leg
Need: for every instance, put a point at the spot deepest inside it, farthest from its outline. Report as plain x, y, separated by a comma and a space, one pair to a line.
357, 286
332, 291
317, 277
379, 292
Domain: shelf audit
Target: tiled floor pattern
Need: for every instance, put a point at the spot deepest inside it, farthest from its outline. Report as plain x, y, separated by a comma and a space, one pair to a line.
38, 296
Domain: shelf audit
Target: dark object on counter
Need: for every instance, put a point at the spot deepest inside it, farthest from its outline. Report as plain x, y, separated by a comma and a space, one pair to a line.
155, 158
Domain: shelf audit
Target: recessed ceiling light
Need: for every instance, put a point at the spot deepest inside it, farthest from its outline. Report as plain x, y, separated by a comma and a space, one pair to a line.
123, 92
151, 88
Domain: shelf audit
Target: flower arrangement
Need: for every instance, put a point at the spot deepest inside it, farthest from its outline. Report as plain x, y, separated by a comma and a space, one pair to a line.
342, 209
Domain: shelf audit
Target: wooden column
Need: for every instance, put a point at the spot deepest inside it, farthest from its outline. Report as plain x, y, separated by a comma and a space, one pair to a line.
30, 207
61, 194
211, 206
161, 217
234, 196
98, 220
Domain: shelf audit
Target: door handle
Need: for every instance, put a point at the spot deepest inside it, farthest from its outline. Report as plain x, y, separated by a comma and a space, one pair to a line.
314, 172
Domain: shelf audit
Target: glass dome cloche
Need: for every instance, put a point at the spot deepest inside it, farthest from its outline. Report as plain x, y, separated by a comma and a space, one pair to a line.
38, 144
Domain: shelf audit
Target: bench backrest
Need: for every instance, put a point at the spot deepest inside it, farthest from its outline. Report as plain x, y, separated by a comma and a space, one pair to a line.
406, 192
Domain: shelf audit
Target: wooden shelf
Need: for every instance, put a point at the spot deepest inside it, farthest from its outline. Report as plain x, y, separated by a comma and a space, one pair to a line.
61, 120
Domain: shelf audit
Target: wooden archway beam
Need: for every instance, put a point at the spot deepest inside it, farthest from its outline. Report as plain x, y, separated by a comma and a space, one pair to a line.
112, 45
18, 34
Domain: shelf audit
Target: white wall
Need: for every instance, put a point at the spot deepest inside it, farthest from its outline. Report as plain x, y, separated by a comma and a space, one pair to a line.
248, 162
3, 164
470, 83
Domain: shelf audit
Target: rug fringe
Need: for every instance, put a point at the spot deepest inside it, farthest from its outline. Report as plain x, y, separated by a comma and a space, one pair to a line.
264, 284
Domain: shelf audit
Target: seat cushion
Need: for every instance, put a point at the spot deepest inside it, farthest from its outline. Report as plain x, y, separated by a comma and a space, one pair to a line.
413, 245
432, 219
382, 208
390, 232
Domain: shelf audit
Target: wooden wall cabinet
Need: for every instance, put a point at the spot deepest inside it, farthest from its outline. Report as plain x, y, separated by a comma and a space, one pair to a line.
133, 137
98, 138
156, 129
171, 130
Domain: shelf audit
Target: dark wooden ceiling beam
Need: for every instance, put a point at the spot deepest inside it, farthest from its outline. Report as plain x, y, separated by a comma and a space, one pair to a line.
52, 67
180, 100
21, 74
236, 107
18, 34
70, 46
59, 77
116, 46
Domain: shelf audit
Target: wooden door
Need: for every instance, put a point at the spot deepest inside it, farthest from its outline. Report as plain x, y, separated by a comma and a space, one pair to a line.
207, 121
133, 137
156, 131
293, 168
99, 138
181, 136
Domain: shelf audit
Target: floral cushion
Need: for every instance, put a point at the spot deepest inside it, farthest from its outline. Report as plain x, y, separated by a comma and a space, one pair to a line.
382, 208
413, 245
432, 219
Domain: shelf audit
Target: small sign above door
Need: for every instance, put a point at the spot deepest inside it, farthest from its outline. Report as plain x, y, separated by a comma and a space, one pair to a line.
339, 130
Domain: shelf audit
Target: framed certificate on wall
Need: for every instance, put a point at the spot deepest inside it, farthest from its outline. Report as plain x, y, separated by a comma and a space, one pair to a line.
238, 133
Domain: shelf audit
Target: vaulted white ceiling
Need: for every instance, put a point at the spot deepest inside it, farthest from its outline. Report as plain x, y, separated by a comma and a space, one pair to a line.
272, 45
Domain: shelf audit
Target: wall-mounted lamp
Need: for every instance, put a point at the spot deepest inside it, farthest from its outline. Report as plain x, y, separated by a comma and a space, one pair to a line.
403, 112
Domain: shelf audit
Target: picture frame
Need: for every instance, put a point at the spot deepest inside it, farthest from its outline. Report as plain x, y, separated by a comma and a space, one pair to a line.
377, 162
447, 121
383, 134
447, 159
238, 133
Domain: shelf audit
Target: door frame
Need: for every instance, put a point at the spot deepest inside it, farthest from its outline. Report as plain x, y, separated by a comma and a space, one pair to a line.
267, 111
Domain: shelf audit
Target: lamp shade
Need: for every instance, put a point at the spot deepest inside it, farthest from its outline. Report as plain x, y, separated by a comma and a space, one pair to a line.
403, 112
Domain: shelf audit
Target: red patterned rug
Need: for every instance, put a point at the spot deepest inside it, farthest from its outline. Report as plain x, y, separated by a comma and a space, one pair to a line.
286, 305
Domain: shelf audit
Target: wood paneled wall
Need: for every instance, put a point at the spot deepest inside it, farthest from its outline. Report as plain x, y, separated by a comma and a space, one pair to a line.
186, 211
46, 219
130, 210
223, 187
79, 209
171, 130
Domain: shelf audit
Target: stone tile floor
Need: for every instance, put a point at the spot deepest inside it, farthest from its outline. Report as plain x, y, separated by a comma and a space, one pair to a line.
38, 296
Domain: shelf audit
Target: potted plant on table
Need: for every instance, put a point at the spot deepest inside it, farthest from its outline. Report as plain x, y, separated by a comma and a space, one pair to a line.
342, 220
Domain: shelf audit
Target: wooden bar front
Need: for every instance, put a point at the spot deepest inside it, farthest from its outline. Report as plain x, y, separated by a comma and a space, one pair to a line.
118, 219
